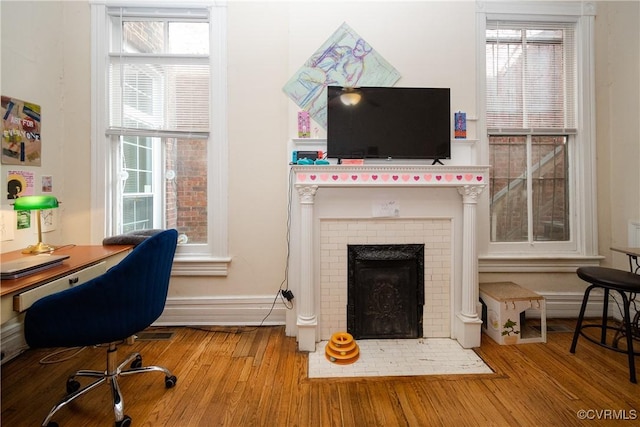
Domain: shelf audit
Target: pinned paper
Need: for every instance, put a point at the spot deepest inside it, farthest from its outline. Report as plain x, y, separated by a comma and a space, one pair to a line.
390, 208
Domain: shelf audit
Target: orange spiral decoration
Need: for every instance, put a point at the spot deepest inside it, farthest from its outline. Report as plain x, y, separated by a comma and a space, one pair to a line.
342, 349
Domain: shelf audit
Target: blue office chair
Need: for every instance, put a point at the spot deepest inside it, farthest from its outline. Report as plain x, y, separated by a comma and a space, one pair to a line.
108, 309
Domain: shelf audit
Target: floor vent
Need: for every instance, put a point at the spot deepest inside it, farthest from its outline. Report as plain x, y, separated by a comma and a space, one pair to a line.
154, 336
554, 328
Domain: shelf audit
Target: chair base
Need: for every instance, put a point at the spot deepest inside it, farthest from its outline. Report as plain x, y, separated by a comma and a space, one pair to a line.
110, 376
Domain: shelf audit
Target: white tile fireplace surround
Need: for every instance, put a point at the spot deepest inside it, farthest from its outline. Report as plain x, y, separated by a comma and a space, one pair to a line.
337, 234
335, 206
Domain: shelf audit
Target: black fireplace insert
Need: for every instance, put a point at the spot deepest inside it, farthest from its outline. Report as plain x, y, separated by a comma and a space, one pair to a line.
385, 291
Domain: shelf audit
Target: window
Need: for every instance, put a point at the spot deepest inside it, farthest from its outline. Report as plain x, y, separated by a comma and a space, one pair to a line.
159, 74
528, 184
530, 96
536, 121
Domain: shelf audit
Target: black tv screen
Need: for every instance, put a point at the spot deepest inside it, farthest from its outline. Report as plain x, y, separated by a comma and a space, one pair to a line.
388, 123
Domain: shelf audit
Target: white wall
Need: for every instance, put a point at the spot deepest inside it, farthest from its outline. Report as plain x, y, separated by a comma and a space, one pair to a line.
618, 126
46, 59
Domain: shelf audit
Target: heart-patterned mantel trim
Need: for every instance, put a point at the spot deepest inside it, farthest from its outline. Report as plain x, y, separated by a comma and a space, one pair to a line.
389, 177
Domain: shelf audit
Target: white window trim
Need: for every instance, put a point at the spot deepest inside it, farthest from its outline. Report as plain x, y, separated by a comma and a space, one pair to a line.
498, 257
190, 260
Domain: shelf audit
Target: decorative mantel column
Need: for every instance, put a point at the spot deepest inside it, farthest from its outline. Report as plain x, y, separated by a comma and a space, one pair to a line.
469, 331
307, 180
307, 320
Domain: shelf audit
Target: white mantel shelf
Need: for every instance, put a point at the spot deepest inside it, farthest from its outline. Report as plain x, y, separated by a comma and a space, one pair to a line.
396, 175
470, 181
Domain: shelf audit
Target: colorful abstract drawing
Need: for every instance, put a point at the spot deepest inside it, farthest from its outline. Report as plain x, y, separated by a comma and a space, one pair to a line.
345, 59
21, 143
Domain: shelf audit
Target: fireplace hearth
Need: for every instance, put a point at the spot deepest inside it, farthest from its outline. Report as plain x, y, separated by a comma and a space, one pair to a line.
385, 291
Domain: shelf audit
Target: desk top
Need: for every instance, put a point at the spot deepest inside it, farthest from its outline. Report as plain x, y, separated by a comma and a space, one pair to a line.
628, 251
79, 257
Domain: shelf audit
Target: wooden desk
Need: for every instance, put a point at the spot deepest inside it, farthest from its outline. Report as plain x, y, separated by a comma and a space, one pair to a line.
79, 257
84, 263
633, 254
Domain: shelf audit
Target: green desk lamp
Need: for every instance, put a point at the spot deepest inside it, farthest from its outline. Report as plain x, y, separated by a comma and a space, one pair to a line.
36, 203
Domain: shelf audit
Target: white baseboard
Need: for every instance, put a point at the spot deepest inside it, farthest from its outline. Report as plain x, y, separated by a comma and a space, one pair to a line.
261, 310
226, 310
240, 310
567, 305
233, 310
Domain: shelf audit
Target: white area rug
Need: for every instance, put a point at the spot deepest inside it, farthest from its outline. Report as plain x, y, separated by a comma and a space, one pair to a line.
402, 357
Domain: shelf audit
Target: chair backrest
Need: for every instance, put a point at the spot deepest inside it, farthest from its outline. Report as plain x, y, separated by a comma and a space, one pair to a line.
126, 299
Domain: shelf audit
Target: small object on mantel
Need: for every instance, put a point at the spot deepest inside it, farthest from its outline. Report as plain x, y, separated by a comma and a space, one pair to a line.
460, 119
352, 162
342, 349
304, 124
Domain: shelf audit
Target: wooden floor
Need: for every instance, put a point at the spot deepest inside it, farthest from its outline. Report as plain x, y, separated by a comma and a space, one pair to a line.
256, 377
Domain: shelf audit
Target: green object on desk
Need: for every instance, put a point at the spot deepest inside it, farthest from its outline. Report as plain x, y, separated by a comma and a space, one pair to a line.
36, 203
32, 203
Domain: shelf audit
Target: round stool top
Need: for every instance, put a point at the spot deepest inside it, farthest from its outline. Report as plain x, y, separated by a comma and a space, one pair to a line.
611, 278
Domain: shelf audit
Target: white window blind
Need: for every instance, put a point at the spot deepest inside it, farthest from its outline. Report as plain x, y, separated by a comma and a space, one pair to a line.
158, 78
531, 77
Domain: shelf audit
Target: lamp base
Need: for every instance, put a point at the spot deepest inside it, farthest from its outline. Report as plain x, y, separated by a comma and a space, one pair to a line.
39, 248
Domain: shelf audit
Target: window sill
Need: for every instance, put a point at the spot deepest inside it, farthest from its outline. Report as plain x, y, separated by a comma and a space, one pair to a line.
200, 266
536, 264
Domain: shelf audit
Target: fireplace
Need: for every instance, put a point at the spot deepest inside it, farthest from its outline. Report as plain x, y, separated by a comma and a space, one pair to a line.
385, 291
337, 206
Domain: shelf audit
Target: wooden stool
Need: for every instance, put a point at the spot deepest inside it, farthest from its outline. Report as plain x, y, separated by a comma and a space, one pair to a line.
609, 279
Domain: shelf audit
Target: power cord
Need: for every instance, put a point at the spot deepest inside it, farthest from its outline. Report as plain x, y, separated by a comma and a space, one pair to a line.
283, 290
49, 358
284, 293
70, 245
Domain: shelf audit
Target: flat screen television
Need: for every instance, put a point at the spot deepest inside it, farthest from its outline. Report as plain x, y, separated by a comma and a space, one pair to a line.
388, 123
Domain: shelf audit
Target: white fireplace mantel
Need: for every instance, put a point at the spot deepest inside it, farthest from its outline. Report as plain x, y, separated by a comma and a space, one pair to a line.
470, 181
379, 176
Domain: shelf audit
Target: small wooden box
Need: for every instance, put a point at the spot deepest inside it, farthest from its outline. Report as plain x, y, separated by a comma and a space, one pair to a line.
504, 307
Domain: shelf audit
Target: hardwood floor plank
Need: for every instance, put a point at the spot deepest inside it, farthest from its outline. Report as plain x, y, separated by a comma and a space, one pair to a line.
234, 376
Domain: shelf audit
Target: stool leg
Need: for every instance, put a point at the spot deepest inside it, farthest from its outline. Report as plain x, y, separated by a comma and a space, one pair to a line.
605, 316
583, 308
627, 326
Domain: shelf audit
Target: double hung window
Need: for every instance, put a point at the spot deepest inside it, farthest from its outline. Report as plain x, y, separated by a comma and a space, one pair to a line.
530, 96
536, 123
162, 127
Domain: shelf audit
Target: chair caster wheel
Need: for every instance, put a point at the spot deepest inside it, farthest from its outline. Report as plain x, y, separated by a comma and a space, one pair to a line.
125, 422
171, 381
52, 424
72, 387
137, 363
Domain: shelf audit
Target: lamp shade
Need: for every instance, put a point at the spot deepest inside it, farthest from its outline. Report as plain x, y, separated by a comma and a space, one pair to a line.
31, 203
350, 96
